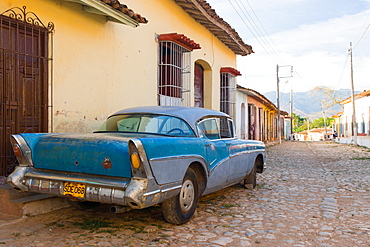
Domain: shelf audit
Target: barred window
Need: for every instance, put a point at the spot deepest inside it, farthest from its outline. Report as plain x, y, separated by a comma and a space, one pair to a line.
228, 90
174, 64
174, 74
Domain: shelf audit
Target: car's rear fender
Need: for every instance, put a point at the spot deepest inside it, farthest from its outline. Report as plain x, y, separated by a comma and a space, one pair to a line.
169, 158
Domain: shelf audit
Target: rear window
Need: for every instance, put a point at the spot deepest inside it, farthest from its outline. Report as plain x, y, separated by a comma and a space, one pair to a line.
147, 123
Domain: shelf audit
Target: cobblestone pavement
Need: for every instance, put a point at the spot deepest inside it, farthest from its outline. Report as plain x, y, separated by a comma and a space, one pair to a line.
311, 194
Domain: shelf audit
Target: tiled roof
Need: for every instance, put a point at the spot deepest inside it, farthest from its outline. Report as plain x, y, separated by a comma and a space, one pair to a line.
261, 98
365, 93
179, 39
203, 13
115, 4
230, 70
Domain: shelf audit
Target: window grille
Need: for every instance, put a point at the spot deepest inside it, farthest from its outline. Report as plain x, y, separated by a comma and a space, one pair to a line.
227, 94
174, 74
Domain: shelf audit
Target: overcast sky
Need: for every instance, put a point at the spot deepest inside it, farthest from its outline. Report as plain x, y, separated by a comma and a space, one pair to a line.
313, 36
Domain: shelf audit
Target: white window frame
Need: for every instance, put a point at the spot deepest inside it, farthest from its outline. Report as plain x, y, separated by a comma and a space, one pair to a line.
174, 74
227, 93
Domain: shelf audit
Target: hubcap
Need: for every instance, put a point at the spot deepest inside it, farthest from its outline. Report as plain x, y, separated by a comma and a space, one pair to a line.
186, 196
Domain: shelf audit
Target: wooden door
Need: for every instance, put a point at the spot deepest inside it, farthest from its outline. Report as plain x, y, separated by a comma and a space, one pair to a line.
23, 78
198, 86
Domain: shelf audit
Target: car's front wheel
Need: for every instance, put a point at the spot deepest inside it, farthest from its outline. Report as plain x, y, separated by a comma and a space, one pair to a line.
250, 180
179, 209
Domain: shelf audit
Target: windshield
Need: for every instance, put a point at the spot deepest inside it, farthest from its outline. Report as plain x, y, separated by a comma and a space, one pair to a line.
147, 123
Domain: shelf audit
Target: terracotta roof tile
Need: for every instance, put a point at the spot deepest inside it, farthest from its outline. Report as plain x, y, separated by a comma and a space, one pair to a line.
115, 4
230, 70
203, 13
180, 39
365, 93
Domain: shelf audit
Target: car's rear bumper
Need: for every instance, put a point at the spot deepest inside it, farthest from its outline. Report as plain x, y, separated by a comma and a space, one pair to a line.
134, 192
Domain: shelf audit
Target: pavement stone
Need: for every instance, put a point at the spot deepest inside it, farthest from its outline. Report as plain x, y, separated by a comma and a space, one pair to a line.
311, 194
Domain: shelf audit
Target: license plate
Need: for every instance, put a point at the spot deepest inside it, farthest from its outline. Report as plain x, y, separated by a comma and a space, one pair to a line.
74, 189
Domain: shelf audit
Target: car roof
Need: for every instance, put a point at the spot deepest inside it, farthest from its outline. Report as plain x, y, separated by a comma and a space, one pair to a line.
189, 114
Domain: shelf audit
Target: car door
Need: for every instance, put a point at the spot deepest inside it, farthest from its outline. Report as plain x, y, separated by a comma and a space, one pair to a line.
217, 154
237, 164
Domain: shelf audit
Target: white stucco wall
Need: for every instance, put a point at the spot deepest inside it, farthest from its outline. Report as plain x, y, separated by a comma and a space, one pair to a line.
241, 123
362, 116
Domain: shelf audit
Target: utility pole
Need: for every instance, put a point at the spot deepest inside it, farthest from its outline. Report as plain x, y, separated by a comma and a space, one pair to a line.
278, 95
278, 103
308, 129
291, 112
353, 100
324, 115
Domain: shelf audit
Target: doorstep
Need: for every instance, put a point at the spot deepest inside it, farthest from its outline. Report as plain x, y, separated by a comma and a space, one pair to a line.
18, 204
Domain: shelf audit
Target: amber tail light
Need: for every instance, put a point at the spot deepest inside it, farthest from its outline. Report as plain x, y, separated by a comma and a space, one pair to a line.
17, 150
135, 160
137, 166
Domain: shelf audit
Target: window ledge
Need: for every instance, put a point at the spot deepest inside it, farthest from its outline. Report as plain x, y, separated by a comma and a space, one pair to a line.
100, 8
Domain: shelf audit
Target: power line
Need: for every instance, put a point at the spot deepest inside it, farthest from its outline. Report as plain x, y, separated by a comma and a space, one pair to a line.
260, 40
263, 28
258, 31
362, 36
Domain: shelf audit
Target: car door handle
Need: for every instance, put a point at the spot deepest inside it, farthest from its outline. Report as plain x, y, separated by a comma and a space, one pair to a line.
228, 144
208, 144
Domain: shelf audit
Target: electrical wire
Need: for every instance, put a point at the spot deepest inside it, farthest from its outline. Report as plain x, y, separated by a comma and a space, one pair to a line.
274, 56
361, 36
258, 31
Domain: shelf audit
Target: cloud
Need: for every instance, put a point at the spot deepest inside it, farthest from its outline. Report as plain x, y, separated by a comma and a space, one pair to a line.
311, 35
318, 52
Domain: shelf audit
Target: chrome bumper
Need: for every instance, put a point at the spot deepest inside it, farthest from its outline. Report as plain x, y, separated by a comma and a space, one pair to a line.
134, 192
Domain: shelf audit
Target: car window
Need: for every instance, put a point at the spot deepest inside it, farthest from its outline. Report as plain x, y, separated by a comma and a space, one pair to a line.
147, 123
209, 128
128, 124
216, 128
226, 128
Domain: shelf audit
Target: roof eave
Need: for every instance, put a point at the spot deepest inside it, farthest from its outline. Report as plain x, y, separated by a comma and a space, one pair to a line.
202, 12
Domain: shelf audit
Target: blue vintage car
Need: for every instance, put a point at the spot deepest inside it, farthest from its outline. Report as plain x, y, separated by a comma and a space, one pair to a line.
138, 158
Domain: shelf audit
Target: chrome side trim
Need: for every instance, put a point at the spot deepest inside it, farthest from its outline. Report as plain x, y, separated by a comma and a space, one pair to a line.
179, 157
173, 188
152, 192
246, 152
219, 163
190, 157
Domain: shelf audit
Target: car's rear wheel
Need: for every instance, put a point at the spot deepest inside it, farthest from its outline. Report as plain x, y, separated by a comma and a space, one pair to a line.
250, 180
179, 209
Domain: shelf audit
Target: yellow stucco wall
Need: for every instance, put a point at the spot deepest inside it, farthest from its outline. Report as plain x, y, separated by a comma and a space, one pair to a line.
100, 67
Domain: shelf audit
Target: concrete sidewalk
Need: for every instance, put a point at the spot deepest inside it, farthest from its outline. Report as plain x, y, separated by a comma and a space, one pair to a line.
361, 140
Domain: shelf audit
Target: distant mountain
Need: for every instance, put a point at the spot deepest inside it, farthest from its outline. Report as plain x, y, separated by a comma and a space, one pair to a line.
308, 103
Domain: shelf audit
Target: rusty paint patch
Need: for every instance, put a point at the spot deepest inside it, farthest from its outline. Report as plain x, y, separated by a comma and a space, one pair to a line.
107, 164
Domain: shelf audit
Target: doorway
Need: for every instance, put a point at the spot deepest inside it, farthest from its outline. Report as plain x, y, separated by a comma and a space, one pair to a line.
198, 85
23, 83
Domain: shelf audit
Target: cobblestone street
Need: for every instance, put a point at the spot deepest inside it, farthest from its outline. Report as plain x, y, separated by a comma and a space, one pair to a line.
311, 194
